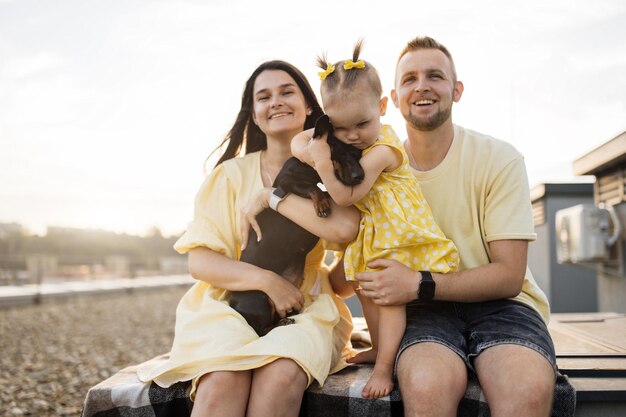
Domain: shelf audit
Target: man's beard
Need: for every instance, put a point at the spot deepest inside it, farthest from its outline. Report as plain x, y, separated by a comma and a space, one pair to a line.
431, 123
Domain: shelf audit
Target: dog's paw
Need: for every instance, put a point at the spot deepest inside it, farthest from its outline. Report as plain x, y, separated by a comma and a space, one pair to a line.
321, 202
323, 213
286, 321
322, 208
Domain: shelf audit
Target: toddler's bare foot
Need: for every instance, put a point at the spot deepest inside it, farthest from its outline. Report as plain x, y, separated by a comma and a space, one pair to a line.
367, 356
379, 385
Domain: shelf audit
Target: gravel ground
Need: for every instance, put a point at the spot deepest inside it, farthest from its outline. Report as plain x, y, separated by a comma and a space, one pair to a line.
51, 354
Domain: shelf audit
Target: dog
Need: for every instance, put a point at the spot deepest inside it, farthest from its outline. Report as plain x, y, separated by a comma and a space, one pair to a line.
285, 245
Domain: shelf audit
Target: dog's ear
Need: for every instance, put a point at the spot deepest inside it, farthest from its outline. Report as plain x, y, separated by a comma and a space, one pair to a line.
322, 126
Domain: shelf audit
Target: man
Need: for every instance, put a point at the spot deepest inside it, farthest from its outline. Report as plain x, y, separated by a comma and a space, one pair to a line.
489, 316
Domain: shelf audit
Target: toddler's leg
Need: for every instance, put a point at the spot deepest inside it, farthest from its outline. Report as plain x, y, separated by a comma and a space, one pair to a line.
392, 321
370, 311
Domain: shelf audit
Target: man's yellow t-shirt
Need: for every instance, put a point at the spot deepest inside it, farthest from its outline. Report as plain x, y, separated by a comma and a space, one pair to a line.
478, 194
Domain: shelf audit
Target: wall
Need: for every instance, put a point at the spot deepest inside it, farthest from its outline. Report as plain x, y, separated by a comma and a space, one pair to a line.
611, 279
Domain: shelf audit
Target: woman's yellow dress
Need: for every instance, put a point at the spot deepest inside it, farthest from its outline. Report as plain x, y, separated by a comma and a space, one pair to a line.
211, 336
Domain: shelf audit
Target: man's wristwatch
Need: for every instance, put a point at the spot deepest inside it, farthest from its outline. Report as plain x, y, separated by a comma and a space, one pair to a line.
276, 197
426, 289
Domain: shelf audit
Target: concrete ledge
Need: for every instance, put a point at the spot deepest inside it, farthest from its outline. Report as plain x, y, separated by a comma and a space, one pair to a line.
30, 294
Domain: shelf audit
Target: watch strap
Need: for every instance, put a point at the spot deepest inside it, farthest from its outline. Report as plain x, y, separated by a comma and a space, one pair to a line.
276, 196
426, 289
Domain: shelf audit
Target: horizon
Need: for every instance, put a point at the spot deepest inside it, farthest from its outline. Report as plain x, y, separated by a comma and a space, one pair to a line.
108, 111
153, 231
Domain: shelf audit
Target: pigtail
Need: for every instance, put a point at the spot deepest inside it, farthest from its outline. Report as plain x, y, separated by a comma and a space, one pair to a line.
321, 61
329, 75
356, 52
352, 75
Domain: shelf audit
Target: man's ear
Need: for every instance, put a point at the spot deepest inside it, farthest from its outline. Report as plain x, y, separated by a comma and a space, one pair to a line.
394, 97
383, 105
458, 91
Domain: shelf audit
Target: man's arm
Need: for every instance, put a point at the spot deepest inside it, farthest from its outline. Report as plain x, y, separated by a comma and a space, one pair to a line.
503, 277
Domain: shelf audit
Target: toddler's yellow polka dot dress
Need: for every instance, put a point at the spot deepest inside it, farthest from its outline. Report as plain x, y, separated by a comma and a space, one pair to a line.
397, 223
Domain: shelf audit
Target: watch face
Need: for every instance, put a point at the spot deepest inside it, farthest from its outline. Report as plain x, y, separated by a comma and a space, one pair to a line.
280, 193
426, 286
427, 290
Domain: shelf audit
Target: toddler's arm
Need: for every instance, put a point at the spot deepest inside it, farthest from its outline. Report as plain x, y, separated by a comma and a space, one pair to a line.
377, 160
299, 146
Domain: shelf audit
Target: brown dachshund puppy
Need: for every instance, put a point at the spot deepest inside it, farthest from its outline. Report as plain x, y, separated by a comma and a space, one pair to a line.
285, 245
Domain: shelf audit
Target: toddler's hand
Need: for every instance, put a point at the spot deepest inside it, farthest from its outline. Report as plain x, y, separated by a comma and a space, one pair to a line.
318, 149
305, 156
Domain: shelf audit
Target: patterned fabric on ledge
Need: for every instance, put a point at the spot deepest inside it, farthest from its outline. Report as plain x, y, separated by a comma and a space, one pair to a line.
124, 395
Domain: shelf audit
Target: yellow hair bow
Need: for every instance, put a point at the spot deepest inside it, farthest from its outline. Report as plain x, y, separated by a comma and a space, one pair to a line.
329, 70
349, 64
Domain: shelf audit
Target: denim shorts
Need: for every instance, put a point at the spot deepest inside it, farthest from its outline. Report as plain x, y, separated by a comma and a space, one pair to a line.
470, 328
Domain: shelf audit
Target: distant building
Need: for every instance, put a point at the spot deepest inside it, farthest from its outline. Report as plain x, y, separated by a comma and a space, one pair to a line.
569, 288
173, 264
608, 164
8, 229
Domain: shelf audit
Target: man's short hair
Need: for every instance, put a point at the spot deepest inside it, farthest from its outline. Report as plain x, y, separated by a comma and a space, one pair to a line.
426, 42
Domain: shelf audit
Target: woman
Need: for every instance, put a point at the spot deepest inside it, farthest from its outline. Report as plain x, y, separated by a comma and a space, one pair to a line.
233, 371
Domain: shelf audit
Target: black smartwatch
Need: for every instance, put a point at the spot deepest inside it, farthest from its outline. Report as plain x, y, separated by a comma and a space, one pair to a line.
426, 289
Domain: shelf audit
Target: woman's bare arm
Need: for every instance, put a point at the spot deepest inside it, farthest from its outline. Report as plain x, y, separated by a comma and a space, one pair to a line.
340, 227
223, 272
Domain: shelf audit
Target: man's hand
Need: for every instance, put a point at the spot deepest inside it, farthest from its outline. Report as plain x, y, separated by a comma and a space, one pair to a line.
392, 284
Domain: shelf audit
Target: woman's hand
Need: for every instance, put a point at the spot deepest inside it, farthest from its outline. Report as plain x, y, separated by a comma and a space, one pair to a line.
257, 204
283, 294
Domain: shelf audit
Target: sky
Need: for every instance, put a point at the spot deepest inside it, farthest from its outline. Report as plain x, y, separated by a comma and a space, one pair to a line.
108, 109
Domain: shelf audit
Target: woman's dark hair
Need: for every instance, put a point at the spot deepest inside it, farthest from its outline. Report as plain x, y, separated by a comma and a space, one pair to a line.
245, 133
